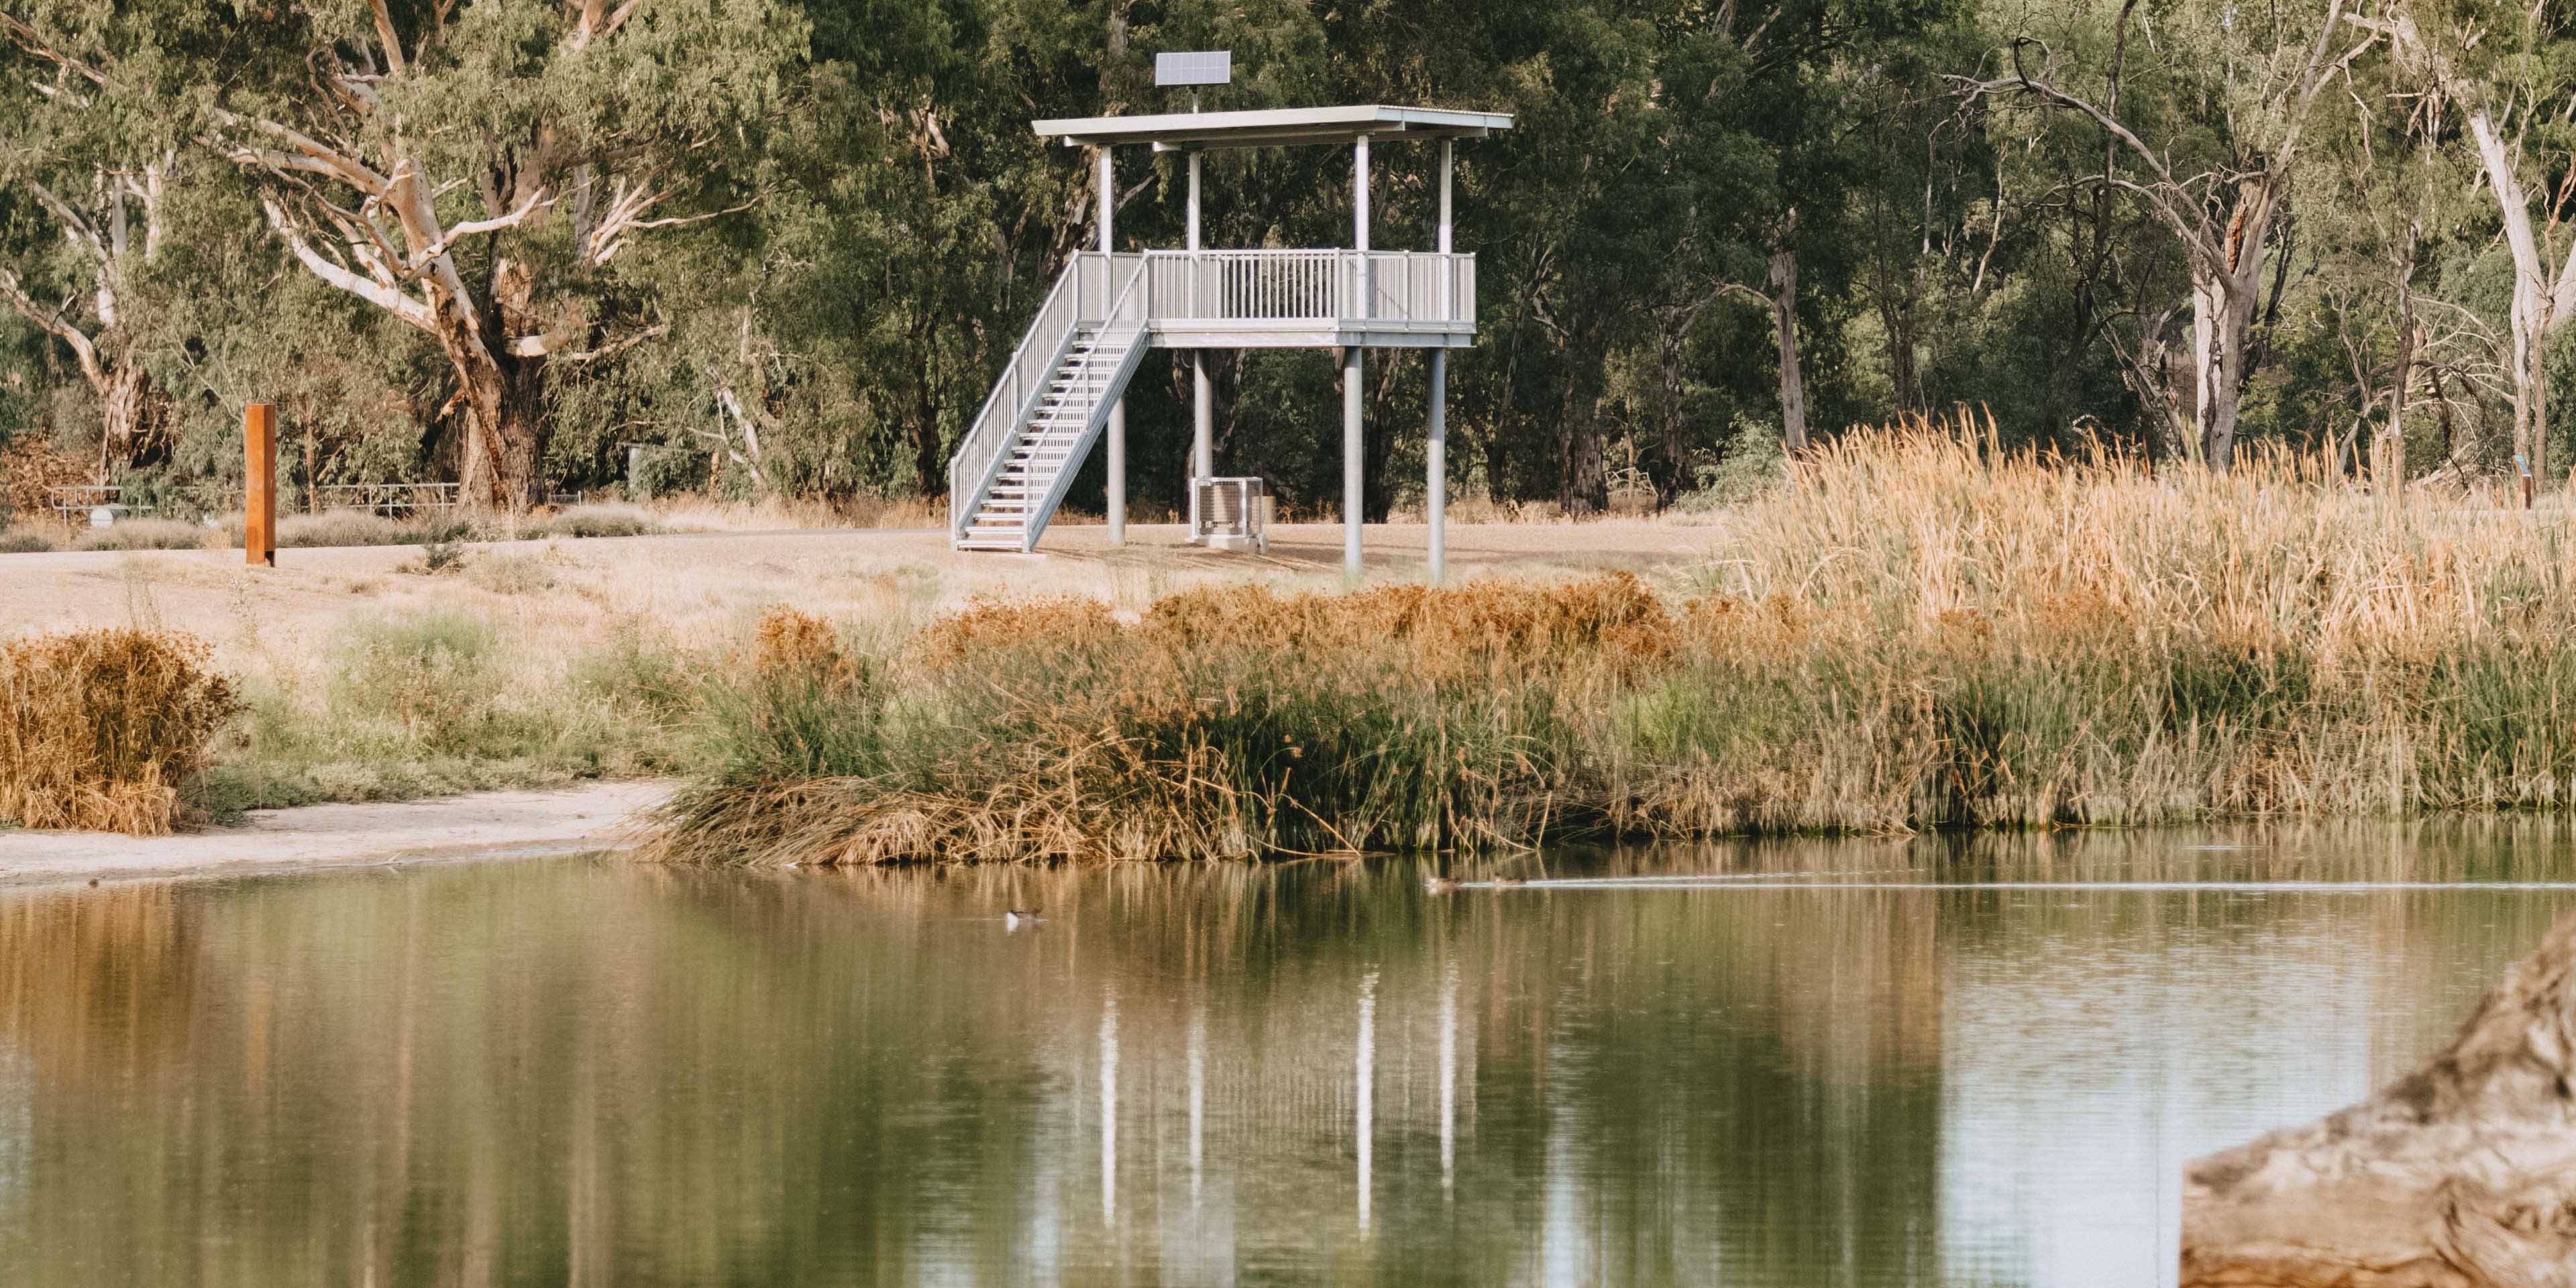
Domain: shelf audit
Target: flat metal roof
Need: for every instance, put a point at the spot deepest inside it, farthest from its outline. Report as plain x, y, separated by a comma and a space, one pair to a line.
1274, 127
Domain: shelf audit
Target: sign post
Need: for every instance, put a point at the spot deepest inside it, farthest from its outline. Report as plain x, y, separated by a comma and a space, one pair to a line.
259, 485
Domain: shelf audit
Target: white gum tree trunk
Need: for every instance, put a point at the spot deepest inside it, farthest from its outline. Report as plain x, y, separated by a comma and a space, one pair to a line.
1784, 320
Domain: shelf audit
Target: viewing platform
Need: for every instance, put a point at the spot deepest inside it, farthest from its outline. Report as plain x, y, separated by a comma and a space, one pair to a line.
1064, 389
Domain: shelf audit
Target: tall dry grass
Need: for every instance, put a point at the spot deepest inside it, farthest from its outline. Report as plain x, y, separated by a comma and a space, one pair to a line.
99, 728
1916, 630
1224, 723
2030, 639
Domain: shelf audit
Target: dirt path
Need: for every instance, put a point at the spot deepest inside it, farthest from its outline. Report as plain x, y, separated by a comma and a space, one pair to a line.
598, 816
710, 584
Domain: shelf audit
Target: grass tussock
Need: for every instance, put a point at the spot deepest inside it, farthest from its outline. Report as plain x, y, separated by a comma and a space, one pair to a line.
594, 521
99, 728
143, 534
1914, 630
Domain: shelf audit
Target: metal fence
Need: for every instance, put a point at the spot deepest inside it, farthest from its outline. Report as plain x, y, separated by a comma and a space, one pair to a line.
392, 500
73, 505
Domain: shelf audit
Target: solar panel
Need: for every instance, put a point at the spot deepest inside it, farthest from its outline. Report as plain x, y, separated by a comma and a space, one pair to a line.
1209, 67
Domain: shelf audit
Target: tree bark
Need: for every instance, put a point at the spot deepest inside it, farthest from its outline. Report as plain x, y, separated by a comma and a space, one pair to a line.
2388, 461
2223, 296
2462, 1174
1676, 454
2531, 380
1897, 320
929, 467
1784, 320
1582, 487
125, 409
2533, 301
2219, 321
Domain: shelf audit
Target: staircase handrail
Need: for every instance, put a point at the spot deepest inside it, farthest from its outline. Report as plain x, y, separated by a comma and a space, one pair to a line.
1043, 511
979, 454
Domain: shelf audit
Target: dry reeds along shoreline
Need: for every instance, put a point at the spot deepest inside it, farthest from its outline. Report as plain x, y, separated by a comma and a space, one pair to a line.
1916, 631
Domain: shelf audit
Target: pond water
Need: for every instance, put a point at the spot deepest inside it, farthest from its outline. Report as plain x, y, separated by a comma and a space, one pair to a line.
1853, 1063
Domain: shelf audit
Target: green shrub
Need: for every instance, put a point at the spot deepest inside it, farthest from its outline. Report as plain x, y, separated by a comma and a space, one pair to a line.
424, 703
433, 674
441, 555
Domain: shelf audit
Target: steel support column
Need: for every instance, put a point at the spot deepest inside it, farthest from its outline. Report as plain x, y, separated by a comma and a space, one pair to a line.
1117, 413
1354, 486
1435, 452
1202, 400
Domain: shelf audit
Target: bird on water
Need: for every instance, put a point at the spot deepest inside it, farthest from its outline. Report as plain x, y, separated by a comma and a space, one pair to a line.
1018, 917
1437, 884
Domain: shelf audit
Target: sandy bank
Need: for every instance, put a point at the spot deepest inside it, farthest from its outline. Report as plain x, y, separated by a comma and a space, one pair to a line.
593, 817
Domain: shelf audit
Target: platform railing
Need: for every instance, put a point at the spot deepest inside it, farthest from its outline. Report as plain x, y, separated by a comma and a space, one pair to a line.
1336, 286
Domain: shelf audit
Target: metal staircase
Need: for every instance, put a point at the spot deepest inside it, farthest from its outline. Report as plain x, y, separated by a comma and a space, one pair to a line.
1052, 400
1040, 464
1019, 459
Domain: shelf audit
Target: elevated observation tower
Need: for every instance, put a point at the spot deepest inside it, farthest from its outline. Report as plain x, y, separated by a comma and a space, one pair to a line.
1064, 388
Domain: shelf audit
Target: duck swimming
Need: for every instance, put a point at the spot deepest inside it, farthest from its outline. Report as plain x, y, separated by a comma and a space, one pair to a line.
1437, 884
1018, 917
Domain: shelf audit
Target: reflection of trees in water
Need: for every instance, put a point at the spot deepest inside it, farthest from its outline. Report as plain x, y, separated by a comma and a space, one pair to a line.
614, 1075
99, 980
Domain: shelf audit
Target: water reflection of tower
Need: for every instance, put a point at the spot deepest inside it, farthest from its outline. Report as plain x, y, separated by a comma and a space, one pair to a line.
1222, 1102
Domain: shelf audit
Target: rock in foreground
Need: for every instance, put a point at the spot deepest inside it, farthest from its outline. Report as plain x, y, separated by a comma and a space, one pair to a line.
2461, 1174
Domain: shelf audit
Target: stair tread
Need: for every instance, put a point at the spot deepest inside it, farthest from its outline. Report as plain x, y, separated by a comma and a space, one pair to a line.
1049, 444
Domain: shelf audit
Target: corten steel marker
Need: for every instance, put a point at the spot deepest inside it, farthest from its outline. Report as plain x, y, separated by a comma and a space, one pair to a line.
259, 488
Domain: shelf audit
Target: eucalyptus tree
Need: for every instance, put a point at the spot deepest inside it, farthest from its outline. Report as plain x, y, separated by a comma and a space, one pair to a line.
2218, 179
476, 170
2511, 72
88, 156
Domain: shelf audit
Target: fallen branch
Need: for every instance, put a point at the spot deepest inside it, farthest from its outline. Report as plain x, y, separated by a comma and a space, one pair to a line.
2461, 1174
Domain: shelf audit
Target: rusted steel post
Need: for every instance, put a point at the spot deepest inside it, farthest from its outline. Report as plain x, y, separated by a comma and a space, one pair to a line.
259, 485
